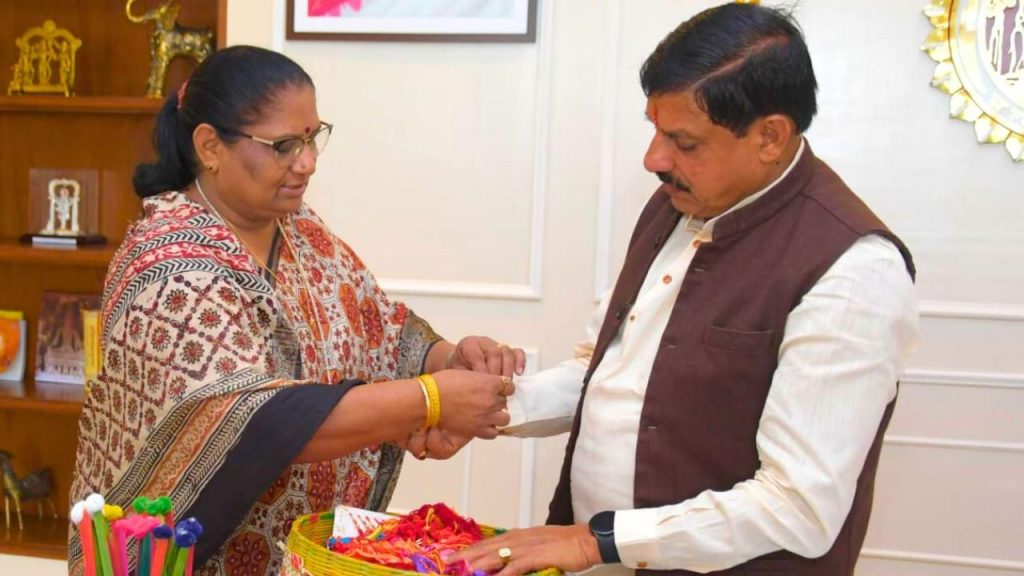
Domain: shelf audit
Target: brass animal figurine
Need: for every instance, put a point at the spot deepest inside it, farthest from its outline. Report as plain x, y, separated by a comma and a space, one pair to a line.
35, 486
170, 41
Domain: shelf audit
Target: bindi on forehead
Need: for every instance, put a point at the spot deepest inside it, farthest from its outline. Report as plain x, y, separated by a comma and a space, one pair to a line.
308, 130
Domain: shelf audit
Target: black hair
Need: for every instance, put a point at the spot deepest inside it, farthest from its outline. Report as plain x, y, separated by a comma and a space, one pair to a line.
228, 90
743, 62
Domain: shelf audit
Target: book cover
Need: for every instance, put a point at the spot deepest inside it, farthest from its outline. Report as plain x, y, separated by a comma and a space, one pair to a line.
12, 346
60, 345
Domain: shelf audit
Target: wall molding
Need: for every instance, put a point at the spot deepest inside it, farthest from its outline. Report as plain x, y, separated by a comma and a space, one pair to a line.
528, 455
606, 168
527, 463
964, 310
527, 466
995, 380
495, 291
942, 559
532, 289
954, 444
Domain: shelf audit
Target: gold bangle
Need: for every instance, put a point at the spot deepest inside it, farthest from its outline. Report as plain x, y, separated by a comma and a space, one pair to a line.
433, 400
426, 401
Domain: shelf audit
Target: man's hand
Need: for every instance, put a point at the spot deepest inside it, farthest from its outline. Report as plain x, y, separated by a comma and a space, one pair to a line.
482, 354
571, 548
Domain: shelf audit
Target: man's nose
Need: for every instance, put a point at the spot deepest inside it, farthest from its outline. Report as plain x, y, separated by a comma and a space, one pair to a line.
657, 158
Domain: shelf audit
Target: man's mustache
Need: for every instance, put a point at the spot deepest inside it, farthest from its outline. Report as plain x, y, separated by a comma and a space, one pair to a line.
667, 178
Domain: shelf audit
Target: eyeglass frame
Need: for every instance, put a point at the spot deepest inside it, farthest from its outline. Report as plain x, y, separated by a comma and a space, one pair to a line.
274, 144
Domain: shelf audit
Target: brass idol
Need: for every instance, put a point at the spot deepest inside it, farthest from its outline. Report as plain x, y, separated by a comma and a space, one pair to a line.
40, 49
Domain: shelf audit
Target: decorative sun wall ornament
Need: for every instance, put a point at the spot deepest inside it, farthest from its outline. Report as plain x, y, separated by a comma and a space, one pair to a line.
979, 47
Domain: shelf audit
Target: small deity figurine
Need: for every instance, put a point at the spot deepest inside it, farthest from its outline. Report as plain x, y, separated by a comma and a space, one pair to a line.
64, 195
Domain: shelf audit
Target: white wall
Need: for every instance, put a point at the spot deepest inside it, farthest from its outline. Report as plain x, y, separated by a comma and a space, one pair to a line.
493, 188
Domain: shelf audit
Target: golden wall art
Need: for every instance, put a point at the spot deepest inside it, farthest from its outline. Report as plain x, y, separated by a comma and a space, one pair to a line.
979, 47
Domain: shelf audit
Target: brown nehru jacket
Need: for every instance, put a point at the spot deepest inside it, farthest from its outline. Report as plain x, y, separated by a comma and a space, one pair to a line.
697, 432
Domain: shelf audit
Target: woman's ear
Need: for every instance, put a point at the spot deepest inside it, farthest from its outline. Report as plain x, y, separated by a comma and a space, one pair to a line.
774, 134
209, 147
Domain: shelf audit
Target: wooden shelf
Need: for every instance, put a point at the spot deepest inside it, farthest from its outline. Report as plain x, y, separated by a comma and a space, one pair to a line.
84, 256
80, 104
42, 397
46, 538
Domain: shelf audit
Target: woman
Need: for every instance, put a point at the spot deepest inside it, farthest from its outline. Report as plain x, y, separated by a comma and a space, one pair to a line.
237, 331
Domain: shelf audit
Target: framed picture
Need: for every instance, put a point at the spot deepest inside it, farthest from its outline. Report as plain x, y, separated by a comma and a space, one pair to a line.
60, 343
419, 21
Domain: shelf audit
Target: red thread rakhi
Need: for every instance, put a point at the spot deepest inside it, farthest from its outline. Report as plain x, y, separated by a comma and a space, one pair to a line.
415, 541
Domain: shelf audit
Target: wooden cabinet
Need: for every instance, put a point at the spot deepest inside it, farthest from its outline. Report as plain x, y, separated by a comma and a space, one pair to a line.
106, 126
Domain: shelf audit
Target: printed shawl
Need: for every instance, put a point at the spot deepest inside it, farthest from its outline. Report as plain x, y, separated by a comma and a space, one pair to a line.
214, 379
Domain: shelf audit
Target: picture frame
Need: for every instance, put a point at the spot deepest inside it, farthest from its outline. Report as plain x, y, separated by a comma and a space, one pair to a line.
61, 339
421, 21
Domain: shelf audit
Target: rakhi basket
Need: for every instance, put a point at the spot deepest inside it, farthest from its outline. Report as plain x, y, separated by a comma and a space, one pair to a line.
307, 553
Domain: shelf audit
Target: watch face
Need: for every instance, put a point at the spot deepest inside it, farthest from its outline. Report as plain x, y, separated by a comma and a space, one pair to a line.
602, 526
603, 523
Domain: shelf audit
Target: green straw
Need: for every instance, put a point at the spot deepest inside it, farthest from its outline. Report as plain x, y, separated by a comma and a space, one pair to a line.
143, 561
180, 562
102, 543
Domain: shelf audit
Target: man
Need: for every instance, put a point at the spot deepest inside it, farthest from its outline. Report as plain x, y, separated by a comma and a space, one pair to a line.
735, 397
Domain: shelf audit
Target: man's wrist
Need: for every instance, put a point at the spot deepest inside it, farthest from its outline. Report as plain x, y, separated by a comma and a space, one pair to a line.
602, 527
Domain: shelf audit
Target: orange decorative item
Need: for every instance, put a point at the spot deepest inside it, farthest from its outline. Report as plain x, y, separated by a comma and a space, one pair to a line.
10, 340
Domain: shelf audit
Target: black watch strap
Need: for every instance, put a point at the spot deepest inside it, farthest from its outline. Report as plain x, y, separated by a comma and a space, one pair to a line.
602, 526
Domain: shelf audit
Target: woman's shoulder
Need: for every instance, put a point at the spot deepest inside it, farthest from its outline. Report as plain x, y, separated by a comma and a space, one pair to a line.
323, 240
173, 228
171, 204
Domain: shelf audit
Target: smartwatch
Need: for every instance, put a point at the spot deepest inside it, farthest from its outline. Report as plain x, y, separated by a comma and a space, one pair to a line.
602, 526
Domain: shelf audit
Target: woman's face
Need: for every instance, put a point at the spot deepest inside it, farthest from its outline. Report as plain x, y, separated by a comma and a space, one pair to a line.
259, 183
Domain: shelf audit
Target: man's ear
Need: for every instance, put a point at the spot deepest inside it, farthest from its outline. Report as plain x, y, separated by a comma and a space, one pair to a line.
209, 147
774, 133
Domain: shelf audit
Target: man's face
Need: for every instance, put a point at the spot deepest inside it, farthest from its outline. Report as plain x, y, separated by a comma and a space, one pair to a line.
706, 168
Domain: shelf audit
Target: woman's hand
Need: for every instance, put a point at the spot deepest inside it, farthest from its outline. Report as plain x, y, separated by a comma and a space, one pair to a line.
483, 354
435, 443
473, 403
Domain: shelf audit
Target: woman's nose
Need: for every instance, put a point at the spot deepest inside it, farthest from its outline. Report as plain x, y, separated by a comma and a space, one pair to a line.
305, 162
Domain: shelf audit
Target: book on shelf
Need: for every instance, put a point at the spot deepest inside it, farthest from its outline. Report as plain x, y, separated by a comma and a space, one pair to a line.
13, 334
61, 342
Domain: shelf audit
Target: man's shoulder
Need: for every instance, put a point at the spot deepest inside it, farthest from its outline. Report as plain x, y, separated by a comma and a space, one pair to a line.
827, 190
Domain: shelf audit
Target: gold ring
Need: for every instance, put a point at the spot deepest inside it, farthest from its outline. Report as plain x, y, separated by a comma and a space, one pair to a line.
506, 555
506, 382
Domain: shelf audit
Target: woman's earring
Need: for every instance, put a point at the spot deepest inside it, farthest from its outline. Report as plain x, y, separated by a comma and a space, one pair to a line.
211, 168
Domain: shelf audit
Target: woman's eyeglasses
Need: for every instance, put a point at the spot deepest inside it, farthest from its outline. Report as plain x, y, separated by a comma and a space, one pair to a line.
288, 150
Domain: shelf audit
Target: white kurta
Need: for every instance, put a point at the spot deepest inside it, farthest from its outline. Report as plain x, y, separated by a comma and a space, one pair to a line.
843, 350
